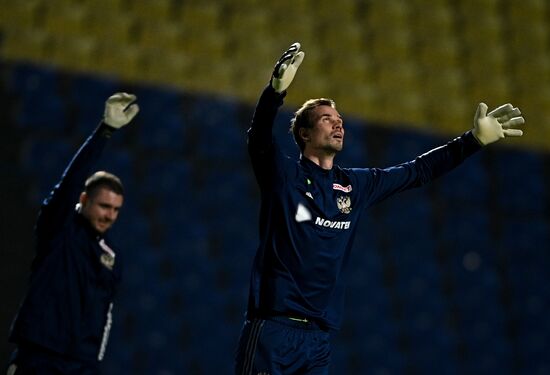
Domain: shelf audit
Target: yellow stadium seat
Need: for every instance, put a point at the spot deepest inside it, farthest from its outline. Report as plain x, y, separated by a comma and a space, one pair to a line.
125, 60
526, 12
348, 38
439, 52
280, 9
167, 36
349, 68
431, 19
394, 44
75, 53
382, 15
105, 6
204, 15
25, 44
116, 30
22, 14
153, 11
168, 70
67, 21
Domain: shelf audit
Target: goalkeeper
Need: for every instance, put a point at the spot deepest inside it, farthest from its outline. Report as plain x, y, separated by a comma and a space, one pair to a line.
63, 324
309, 212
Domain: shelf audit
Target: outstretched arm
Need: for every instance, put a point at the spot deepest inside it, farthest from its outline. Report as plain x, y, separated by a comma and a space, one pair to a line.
119, 111
272, 97
488, 128
260, 136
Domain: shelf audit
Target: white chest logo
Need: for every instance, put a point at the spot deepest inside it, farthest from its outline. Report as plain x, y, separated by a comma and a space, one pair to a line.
344, 203
302, 214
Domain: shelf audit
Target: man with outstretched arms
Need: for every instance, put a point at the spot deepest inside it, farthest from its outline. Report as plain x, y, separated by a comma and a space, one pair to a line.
309, 212
63, 323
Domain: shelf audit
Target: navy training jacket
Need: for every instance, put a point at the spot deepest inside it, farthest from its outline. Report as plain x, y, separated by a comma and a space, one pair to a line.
67, 308
308, 218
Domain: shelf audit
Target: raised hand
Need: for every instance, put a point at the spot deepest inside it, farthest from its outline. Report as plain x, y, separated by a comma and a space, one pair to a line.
497, 124
286, 68
119, 110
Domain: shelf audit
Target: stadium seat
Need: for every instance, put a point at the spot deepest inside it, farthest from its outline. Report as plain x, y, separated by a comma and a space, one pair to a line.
121, 162
46, 159
87, 95
458, 185
41, 105
506, 166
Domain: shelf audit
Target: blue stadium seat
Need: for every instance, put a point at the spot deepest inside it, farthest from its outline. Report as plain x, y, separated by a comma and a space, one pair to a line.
230, 188
468, 184
45, 160
88, 94
218, 128
91, 91
29, 79
41, 105
408, 219
132, 229
419, 280
468, 228
165, 175
162, 132
215, 114
405, 145
516, 193
533, 347
522, 238
121, 162
433, 353
354, 154
378, 350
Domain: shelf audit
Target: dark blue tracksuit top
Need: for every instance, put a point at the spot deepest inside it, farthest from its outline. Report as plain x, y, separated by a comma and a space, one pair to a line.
67, 308
309, 215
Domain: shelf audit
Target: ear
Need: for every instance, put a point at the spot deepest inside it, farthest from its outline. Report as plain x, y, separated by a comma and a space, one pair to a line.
83, 199
304, 134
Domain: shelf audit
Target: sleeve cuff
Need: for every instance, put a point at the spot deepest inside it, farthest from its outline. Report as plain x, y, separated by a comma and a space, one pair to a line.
471, 142
105, 130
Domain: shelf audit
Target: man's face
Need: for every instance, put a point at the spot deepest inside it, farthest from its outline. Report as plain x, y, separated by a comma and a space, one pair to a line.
101, 209
327, 132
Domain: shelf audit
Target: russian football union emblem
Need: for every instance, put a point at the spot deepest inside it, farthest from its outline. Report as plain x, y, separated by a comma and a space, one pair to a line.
344, 203
107, 260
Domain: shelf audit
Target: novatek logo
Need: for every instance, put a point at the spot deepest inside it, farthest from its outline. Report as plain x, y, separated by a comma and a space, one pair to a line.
332, 224
345, 189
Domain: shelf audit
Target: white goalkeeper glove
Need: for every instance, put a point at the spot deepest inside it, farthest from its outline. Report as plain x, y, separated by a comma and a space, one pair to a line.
497, 124
286, 68
119, 110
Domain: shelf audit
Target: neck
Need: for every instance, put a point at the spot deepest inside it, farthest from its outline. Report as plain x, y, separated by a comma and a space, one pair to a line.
325, 161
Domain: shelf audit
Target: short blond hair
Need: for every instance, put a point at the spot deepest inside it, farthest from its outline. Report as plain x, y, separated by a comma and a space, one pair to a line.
302, 118
102, 179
